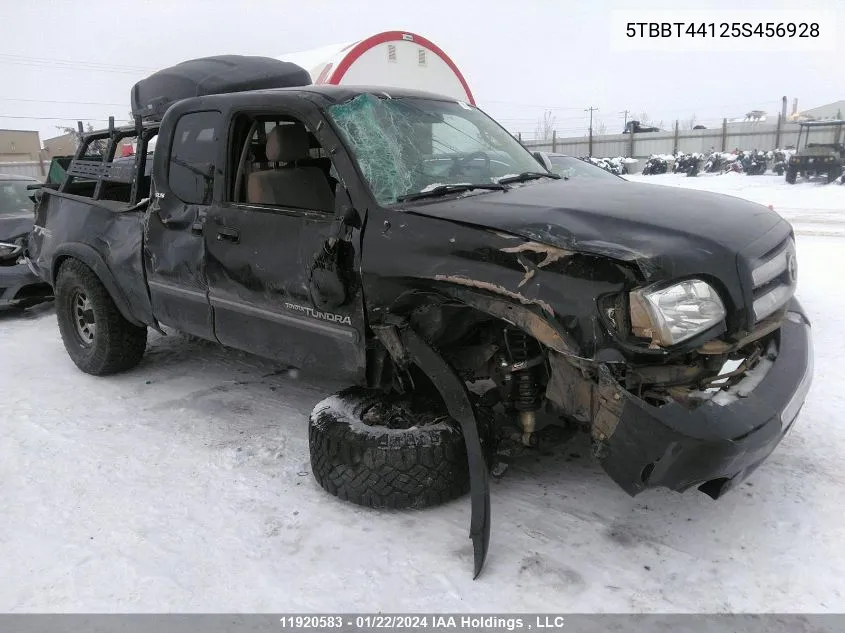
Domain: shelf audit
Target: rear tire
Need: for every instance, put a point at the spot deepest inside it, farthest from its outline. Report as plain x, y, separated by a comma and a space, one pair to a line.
97, 337
387, 451
790, 176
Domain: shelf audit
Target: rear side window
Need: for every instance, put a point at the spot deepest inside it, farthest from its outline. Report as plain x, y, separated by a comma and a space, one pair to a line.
193, 157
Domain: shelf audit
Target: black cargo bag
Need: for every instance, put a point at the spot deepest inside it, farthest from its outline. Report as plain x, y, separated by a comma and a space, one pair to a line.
212, 75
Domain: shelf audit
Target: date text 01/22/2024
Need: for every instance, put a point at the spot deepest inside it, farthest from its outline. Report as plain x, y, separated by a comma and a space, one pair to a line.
396, 622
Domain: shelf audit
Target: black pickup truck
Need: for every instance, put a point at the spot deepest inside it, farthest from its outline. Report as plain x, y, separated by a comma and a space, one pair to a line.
473, 300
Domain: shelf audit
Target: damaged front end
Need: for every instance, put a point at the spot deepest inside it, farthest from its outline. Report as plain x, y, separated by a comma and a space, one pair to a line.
661, 320
684, 387
681, 382
707, 421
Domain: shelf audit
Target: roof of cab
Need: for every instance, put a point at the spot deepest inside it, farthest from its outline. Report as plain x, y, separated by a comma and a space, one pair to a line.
331, 93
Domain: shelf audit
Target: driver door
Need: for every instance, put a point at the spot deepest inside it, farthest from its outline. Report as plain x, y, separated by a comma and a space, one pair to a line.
263, 253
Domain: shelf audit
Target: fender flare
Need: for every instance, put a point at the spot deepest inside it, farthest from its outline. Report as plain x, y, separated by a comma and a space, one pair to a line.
91, 258
455, 396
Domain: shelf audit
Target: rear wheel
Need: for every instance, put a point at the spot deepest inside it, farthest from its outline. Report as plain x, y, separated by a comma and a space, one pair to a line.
790, 176
97, 337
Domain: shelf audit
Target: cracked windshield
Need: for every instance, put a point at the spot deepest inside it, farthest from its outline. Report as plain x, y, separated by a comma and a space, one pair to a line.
411, 146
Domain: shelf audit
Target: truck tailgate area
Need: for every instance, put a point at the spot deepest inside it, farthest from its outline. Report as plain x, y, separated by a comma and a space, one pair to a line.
103, 235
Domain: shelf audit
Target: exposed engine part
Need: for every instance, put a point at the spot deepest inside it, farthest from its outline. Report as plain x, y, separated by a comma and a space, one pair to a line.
520, 374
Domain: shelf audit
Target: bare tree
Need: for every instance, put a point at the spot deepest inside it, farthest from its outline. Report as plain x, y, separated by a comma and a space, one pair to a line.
545, 127
600, 128
690, 123
96, 148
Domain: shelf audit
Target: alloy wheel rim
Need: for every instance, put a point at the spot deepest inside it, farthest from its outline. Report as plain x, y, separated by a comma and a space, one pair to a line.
83, 317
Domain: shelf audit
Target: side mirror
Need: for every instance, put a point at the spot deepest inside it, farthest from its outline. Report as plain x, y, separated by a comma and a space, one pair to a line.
344, 209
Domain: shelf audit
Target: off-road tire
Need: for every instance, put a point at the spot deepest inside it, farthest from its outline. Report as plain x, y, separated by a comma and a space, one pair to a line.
791, 174
381, 467
117, 345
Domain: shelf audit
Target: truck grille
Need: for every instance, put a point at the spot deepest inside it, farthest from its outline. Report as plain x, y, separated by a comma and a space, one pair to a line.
774, 276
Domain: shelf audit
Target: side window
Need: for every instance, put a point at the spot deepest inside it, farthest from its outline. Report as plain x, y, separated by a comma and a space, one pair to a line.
277, 161
193, 156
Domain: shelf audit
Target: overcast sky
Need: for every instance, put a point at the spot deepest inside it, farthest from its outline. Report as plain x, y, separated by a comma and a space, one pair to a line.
62, 60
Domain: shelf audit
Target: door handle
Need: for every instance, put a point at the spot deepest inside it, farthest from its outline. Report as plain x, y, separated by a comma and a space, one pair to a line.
196, 228
228, 234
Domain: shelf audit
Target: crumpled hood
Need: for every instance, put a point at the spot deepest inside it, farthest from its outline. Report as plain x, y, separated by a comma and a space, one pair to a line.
667, 231
15, 225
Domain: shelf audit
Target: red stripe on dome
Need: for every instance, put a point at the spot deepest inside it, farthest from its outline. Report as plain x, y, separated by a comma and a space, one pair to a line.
395, 36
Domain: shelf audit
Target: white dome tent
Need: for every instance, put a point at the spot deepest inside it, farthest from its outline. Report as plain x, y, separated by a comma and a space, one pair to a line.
393, 58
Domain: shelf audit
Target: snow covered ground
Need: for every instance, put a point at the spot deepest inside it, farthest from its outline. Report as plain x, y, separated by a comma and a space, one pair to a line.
812, 207
184, 485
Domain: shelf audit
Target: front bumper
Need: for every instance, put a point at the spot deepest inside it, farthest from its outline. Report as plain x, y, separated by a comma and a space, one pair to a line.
712, 446
19, 287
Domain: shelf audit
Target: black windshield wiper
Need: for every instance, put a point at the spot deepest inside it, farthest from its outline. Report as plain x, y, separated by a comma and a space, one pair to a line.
527, 175
442, 190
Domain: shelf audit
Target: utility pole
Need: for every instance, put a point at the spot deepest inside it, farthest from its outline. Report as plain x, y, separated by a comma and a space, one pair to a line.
625, 114
591, 109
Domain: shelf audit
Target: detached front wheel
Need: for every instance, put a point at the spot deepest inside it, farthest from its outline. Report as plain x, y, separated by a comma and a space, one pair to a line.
387, 451
97, 337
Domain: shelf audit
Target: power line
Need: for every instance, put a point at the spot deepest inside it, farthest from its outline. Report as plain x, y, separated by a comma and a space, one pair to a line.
529, 105
53, 118
76, 68
534, 120
63, 102
674, 113
46, 60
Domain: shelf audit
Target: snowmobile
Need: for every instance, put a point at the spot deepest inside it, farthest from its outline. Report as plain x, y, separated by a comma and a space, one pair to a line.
655, 165
715, 163
754, 163
778, 158
688, 164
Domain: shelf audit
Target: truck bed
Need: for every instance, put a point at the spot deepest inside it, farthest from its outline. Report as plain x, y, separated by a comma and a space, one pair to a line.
106, 235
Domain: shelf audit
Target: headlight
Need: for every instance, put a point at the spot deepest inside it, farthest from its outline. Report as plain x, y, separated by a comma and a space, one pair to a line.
673, 314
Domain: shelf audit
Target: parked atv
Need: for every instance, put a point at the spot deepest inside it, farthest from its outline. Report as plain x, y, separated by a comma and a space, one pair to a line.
817, 160
754, 163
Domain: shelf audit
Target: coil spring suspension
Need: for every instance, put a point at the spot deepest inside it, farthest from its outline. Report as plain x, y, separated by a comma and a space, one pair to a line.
522, 364
521, 350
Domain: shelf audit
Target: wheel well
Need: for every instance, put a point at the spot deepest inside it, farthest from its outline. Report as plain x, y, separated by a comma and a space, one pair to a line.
57, 265
465, 336
87, 256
